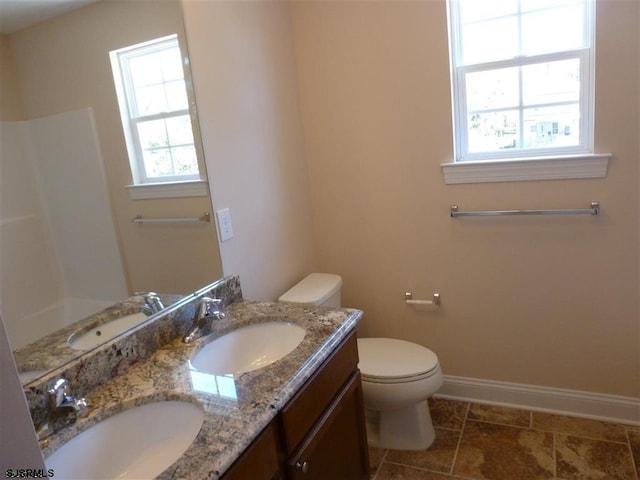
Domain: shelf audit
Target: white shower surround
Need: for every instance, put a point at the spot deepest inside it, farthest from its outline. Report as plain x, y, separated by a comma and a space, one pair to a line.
59, 255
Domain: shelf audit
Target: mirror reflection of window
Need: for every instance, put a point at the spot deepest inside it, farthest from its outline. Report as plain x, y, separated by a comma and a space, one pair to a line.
154, 107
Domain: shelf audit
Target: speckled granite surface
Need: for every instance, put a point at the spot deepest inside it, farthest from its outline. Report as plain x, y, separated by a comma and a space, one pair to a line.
87, 372
52, 351
250, 401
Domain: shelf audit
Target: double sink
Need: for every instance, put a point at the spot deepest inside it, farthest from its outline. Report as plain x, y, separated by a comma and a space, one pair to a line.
143, 441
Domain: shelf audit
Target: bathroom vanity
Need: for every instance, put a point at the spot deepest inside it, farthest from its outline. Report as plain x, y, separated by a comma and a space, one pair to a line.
320, 433
299, 417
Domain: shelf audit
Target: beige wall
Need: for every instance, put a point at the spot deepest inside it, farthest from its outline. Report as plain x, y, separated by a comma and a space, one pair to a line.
11, 107
244, 75
63, 65
549, 301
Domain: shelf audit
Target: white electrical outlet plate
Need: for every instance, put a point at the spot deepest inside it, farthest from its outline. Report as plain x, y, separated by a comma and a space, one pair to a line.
225, 228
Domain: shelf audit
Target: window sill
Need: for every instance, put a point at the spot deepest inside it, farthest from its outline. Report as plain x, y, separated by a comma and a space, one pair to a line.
547, 168
145, 191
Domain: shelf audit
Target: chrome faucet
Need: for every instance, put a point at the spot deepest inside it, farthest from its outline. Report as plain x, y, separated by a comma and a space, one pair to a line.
152, 303
59, 404
209, 309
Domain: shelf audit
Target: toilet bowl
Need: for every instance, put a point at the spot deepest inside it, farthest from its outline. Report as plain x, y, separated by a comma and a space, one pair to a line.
397, 376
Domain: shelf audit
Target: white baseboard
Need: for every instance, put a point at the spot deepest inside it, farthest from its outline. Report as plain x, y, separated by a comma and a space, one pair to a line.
597, 406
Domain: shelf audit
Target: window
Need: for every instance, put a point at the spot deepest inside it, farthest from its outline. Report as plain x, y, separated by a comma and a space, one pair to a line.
155, 112
522, 78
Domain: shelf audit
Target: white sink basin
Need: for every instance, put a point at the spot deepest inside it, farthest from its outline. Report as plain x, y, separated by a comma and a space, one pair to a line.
138, 443
248, 348
105, 332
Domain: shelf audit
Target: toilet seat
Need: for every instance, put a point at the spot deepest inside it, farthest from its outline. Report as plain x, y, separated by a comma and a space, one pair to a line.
397, 380
389, 360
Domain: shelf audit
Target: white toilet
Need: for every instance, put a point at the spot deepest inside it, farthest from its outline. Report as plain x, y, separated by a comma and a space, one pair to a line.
397, 376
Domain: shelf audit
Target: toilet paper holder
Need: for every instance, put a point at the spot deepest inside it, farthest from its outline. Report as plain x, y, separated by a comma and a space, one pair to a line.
408, 297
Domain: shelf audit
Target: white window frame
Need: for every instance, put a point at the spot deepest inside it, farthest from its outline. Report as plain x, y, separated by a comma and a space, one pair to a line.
145, 187
532, 163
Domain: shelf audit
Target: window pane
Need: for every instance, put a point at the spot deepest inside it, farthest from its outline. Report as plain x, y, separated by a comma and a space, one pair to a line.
489, 41
492, 89
179, 129
171, 62
552, 30
150, 100
551, 126
505, 103
152, 134
157, 163
145, 70
551, 82
176, 93
474, 10
493, 131
185, 160
529, 5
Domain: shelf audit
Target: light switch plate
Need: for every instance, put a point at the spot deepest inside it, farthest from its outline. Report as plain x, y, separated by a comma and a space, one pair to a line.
225, 228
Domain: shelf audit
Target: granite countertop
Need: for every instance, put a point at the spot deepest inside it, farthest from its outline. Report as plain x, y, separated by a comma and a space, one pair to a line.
230, 424
53, 350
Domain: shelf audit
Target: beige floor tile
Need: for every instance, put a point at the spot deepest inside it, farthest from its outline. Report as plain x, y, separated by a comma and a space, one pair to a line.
634, 442
448, 413
495, 443
375, 458
497, 452
438, 457
392, 471
580, 427
502, 415
586, 459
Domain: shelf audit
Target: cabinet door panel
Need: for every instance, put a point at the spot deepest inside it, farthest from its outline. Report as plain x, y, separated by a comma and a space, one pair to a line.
307, 405
336, 447
261, 461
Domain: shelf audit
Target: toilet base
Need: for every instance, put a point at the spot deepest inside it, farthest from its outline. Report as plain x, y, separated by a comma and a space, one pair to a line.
408, 428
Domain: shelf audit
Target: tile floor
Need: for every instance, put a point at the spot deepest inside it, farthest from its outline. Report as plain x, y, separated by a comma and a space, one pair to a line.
482, 442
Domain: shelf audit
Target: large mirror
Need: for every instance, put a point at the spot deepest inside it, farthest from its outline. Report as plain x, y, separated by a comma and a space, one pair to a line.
68, 245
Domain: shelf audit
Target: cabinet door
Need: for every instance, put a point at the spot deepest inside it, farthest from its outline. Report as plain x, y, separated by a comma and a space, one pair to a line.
261, 461
309, 403
336, 446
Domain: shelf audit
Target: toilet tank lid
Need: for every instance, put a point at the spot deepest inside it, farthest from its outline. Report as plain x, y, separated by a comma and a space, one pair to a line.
314, 289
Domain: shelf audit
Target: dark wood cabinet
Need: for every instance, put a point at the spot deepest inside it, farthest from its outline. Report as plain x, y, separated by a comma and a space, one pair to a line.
320, 433
262, 460
333, 448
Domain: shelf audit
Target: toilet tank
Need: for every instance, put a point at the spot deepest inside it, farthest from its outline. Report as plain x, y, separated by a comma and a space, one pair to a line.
315, 289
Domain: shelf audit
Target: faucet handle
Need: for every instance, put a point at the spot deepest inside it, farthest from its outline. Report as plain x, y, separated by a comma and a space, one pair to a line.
80, 405
58, 392
60, 402
152, 303
210, 307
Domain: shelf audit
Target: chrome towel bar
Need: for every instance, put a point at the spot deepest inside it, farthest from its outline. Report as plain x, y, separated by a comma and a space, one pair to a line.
205, 217
594, 210
408, 297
